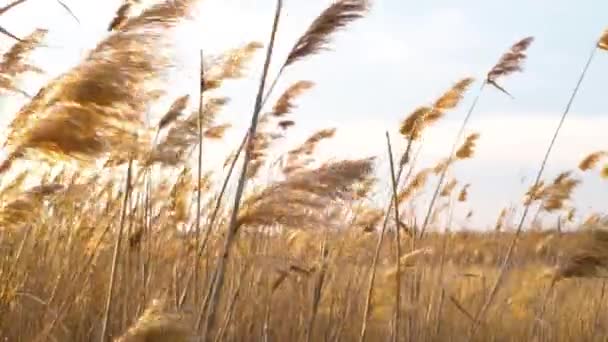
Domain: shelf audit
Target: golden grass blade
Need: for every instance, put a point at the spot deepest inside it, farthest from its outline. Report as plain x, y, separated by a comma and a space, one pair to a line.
318, 35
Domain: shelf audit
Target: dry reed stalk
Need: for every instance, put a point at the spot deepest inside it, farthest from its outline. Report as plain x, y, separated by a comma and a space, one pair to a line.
69, 10
509, 63
215, 290
116, 254
212, 221
177, 108
199, 179
505, 264
5, 9
317, 291
397, 314
229, 312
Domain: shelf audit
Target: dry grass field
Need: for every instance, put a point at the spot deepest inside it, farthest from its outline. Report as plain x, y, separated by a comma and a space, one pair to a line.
110, 230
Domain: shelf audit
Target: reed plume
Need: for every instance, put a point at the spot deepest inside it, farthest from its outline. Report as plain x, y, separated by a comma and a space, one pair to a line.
318, 35
510, 62
231, 65
177, 108
217, 131
14, 62
468, 147
559, 191
96, 108
302, 199
592, 160
295, 156
448, 188
464, 193
175, 147
422, 117
417, 183
285, 104
122, 14
26, 207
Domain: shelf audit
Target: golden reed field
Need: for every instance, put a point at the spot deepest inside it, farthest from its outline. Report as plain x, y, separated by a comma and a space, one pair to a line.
121, 236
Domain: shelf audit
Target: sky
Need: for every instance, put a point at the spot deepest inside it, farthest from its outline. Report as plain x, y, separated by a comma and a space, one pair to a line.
402, 55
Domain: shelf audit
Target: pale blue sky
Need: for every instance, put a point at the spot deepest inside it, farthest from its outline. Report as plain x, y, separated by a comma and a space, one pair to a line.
404, 54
